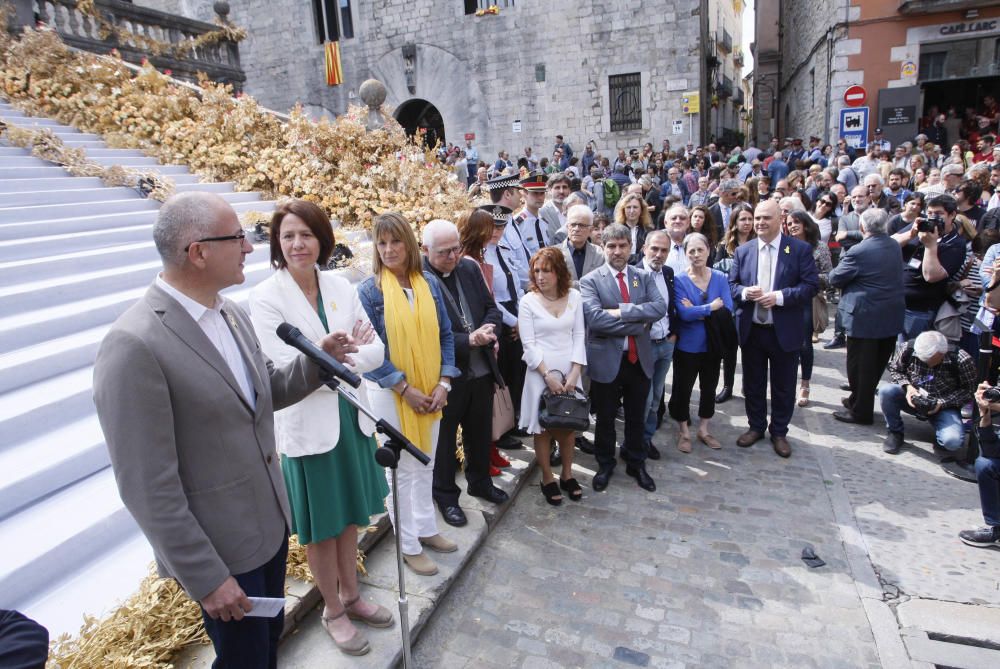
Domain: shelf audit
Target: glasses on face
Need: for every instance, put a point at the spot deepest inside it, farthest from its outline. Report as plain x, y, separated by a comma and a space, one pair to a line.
579, 226
444, 253
241, 235
826, 202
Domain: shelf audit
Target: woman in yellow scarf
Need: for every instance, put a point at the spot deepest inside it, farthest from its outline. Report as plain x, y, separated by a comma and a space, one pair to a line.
411, 386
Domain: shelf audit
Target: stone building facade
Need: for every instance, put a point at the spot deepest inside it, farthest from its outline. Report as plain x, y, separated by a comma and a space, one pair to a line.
614, 72
910, 56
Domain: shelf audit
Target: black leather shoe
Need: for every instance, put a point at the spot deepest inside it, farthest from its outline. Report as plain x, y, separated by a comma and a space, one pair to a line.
642, 477
509, 442
601, 479
584, 445
652, 452
724, 395
555, 457
847, 416
454, 516
837, 342
518, 432
493, 494
845, 387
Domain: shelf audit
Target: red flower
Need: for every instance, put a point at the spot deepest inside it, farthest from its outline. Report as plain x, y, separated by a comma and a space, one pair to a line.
144, 61
168, 72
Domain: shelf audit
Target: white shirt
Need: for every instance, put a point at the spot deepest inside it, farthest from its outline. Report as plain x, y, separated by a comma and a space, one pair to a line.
501, 293
677, 259
660, 328
774, 244
213, 324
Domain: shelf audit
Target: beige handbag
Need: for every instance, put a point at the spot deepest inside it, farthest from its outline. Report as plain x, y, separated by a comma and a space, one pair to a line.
503, 411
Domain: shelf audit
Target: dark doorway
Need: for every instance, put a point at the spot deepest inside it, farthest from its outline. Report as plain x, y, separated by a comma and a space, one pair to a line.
421, 118
965, 96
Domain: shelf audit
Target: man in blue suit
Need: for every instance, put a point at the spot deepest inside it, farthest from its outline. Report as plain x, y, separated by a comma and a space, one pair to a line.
773, 279
872, 304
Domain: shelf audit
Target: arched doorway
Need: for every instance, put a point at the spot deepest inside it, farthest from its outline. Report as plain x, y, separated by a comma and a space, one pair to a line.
420, 117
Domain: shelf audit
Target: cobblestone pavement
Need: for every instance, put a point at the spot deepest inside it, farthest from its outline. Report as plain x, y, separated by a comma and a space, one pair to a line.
706, 572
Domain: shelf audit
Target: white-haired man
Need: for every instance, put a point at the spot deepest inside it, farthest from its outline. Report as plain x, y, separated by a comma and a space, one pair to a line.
930, 381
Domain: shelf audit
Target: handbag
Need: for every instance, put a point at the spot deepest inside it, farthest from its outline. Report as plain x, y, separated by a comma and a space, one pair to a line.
503, 411
563, 411
821, 313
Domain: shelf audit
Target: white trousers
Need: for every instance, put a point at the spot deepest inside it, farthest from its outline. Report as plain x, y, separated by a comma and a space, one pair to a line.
417, 517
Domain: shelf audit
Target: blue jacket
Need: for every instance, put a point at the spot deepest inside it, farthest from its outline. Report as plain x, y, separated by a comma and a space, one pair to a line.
691, 336
386, 375
871, 280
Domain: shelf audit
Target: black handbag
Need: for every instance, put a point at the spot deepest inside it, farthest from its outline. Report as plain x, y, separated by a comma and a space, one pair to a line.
563, 411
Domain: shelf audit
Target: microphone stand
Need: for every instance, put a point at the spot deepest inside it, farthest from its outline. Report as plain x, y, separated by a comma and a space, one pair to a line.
387, 456
965, 468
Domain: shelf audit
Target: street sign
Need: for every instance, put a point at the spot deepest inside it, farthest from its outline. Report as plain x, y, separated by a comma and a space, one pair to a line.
691, 102
516, 125
678, 127
854, 126
855, 96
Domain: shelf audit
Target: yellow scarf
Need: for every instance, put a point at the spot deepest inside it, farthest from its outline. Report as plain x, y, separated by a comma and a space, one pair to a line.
414, 348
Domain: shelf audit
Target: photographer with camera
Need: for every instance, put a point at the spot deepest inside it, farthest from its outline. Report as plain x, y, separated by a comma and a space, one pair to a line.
932, 251
987, 471
932, 383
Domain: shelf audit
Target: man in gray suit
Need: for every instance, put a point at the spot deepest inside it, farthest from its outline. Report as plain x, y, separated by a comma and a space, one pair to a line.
186, 399
872, 304
620, 303
558, 186
581, 256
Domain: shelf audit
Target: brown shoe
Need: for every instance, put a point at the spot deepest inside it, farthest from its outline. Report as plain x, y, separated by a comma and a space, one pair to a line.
749, 438
781, 446
356, 645
709, 441
381, 617
439, 544
420, 564
684, 444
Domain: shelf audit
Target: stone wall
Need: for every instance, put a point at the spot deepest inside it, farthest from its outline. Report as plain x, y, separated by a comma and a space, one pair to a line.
480, 72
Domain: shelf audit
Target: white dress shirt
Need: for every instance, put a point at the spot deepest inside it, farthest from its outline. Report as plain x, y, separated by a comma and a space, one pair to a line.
661, 328
775, 249
213, 324
677, 259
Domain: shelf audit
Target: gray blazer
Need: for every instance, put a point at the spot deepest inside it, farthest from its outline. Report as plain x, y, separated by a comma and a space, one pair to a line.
550, 214
195, 465
606, 334
592, 259
870, 277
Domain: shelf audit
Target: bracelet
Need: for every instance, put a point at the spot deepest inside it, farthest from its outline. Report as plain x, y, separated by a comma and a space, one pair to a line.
406, 386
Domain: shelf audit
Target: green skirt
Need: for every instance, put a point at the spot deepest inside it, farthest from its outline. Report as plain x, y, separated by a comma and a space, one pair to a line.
344, 486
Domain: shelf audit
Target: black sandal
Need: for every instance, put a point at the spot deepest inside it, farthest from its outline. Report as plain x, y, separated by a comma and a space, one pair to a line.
552, 494
573, 488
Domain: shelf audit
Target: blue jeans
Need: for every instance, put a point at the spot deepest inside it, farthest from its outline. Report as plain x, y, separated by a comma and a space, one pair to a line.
663, 353
988, 476
947, 423
916, 322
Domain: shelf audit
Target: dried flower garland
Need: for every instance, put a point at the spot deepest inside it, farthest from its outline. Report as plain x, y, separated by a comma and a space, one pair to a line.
350, 172
154, 47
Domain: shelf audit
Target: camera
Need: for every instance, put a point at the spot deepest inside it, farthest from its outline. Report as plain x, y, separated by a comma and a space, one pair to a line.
992, 395
930, 224
923, 404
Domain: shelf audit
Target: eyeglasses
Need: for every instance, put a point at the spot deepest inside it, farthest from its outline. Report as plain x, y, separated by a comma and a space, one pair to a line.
826, 202
454, 250
241, 235
579, 226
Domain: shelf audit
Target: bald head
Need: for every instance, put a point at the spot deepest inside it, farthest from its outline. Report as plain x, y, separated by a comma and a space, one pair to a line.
767, 220
183, 219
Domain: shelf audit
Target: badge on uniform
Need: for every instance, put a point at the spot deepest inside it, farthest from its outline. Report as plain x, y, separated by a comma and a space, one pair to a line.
788, 249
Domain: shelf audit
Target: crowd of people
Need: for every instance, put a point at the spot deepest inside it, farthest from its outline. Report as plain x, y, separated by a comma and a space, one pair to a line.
585, 277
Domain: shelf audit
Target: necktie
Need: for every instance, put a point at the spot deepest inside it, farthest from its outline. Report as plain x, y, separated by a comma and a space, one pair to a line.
633, 350
542, 241
764, 276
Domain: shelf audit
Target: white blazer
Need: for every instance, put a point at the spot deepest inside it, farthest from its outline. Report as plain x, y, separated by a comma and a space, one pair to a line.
313, 425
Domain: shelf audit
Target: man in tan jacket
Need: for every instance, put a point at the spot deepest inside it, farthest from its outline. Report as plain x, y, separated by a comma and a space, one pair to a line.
186, 400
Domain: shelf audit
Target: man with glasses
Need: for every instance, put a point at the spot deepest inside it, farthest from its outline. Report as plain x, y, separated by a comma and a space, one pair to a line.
475, 320
729, 195
878, 197
186, 401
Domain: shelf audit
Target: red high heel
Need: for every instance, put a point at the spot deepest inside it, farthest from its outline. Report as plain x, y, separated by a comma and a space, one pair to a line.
496, 459
494, 471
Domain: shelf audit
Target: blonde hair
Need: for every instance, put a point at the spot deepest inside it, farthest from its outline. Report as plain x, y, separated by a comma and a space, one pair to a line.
644, 218
393, 225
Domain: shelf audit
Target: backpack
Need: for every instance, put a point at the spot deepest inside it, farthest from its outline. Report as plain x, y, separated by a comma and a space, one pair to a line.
612, 193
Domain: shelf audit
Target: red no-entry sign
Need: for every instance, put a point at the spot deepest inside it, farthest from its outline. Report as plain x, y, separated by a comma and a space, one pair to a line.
855, 96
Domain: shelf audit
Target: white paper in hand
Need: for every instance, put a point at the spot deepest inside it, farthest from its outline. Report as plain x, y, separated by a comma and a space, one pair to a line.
266, 607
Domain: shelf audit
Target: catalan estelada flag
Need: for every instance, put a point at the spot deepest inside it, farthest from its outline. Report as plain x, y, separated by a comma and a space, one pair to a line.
334, 72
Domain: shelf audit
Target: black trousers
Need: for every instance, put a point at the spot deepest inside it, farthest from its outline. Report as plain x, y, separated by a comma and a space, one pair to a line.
630, 388
729, 367
252, 643
866, 360
689, 367
470, 404
512, 368
764, 358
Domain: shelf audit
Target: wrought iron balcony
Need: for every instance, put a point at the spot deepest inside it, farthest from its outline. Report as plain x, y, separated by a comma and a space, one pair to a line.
724, 89
725, 41
220, 60
739, 99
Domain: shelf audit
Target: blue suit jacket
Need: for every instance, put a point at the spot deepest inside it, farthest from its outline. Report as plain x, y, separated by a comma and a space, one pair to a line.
870, 275
796, 278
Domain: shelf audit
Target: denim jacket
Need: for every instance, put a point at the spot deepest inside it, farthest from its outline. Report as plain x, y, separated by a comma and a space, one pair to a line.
386, 375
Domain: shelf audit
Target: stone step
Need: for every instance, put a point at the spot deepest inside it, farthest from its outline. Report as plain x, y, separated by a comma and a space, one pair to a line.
131, 160
10, 112
306, 643
220, 187
22, 248
50, 461
34, 122
120, 153
23, 161
13, 151
84, 143
25, 173
48, 212
30, 198
58, 355
55, 183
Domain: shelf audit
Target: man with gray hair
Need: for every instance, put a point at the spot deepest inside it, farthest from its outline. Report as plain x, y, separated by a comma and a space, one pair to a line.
870, 278
931, 382
186, 401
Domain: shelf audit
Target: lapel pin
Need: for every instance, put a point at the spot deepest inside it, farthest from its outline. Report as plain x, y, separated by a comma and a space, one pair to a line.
788, 250
333, 306
232, 321
635, 283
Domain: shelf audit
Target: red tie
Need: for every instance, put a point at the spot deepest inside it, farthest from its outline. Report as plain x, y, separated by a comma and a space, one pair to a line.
633, 351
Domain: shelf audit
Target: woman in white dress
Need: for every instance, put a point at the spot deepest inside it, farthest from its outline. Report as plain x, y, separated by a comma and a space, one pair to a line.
550, 323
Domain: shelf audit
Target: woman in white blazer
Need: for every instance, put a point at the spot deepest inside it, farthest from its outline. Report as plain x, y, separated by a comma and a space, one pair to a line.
327, 454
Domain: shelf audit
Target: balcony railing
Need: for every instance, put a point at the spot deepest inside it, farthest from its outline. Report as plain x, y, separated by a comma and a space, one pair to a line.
220, 60
739, 99
724, 89
725, 41
738, 58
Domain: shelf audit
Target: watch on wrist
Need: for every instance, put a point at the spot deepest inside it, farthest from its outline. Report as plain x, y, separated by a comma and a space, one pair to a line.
445, 385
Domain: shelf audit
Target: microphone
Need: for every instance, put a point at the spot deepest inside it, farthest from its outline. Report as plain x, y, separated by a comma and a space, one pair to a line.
292, 336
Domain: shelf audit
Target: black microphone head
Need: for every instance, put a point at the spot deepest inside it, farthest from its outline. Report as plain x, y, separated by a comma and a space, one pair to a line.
287, 332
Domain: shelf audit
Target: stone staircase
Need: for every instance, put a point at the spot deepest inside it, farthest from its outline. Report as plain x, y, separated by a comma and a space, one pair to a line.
74, 254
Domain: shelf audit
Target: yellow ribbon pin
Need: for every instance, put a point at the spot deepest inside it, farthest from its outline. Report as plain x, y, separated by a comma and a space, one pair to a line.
788, 250
333, 306
635, 283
